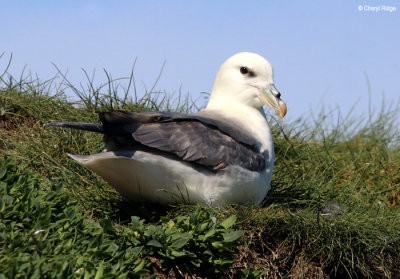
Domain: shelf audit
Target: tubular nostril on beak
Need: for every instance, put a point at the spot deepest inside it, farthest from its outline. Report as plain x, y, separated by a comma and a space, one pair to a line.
275, 91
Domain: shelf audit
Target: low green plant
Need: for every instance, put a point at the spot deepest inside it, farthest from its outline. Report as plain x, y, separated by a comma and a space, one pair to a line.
44, 234
194, 244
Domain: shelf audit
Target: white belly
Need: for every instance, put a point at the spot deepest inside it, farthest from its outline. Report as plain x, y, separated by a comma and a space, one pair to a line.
148, 177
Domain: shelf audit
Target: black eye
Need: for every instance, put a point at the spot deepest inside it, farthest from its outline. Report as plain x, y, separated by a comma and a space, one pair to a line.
244, 70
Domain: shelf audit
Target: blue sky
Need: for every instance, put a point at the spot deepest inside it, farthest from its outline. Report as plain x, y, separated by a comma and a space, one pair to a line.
321, 51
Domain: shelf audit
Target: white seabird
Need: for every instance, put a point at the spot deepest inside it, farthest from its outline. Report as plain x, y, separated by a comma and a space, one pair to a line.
223, 154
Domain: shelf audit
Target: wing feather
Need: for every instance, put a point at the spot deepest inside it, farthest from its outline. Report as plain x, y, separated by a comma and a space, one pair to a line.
189, 138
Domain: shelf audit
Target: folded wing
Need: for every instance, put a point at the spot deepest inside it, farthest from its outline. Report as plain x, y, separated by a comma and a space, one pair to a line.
190, 138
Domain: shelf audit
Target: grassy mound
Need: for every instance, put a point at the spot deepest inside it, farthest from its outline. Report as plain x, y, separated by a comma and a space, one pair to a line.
333, 209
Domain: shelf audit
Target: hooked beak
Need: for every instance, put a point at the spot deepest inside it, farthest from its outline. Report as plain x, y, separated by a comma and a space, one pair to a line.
271, 97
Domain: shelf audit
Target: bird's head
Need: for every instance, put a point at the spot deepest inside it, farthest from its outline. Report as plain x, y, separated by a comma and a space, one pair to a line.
247, 78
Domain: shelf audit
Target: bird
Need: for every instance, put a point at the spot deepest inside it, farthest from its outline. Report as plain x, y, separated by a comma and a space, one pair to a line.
220, 155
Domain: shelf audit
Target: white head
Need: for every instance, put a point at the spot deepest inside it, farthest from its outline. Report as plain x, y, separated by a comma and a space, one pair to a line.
247, 78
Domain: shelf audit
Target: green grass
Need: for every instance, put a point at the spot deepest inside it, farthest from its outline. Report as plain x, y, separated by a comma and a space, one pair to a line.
333, 210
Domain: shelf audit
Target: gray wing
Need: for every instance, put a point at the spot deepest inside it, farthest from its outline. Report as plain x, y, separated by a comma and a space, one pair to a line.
188, 137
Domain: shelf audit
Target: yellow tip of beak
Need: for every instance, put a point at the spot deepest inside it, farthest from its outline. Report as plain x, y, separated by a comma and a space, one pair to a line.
271, 97
281, 111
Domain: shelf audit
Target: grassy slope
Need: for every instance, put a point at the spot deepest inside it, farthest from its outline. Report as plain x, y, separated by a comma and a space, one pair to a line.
292, 234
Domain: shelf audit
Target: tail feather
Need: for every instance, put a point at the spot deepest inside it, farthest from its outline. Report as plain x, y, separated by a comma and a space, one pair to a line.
92, 127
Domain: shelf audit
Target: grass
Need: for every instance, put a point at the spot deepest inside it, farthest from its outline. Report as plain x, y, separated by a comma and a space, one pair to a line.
333, 210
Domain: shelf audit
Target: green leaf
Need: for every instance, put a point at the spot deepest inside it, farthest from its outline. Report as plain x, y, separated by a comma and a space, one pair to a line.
139, 267
177, 236
217, 244
229, 222
222, 262
232, 235
209, 234
178, 244
2, 172
135, 251
180, 219
100, 270
178, 254
208, 252
3, 186
154, 243
203, 227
